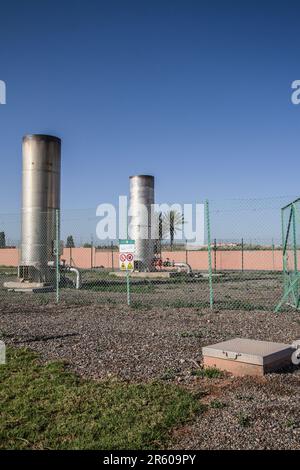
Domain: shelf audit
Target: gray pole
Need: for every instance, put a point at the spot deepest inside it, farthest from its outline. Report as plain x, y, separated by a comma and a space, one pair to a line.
215, 255
211, 293
242, 246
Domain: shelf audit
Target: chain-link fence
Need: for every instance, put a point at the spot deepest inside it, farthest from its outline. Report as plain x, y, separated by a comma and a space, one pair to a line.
239, 266
247, 259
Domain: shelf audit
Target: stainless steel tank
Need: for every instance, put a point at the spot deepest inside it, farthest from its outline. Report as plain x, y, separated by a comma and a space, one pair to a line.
141, 219
40, 201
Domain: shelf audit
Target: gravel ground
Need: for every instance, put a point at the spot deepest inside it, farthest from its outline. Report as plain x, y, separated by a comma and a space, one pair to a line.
253, 413
138, 345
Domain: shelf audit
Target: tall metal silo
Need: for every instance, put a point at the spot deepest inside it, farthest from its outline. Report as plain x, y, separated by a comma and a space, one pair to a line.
40, 201
140, 220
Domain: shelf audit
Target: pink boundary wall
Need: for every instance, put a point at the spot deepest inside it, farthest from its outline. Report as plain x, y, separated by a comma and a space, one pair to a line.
9, 257
225, 259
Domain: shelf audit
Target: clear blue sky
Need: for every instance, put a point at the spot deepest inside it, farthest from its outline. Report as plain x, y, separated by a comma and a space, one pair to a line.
195, 92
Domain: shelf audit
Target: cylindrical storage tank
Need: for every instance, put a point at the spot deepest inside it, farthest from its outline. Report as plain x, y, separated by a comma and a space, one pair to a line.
140, 218
40, 205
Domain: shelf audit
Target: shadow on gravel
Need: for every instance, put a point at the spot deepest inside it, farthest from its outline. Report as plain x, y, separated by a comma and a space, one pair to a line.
34, 339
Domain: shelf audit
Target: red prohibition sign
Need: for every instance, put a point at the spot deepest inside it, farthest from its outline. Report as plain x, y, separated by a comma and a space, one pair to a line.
123, 257
129, 257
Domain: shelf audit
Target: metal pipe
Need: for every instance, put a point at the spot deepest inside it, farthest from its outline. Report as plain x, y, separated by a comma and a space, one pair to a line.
40, 201
141, 218
78, 276
184, 265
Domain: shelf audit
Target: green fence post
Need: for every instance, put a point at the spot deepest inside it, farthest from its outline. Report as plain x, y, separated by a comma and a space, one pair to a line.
211, 293
242, 250
215, 255
92, 248
128, 287
112, 256
57, 255
294, 240
186, 253
284, 265
283, 251
295, 256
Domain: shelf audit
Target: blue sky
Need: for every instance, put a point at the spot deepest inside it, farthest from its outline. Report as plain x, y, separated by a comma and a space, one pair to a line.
195, 92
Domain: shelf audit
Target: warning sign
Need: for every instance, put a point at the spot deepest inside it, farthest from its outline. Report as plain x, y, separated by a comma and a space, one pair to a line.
126, 255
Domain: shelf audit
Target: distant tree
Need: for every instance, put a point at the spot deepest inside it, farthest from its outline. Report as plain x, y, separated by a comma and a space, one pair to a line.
87, 245
2, 240
70, 242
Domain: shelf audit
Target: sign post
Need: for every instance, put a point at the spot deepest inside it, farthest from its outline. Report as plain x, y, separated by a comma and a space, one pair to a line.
126, 261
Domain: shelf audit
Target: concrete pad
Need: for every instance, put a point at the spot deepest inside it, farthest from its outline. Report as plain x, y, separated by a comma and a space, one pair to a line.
206, 275
242, 356
149, 275
35, 287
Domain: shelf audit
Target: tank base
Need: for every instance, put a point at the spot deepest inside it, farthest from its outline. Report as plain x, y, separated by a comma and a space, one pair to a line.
35, 287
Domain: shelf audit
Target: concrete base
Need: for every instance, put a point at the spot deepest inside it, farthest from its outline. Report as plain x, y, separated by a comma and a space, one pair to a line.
240, 369
206, 275
242, 356
149, 275
35, 287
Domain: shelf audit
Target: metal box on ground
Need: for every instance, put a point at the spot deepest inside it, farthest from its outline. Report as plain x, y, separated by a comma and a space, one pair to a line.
242, 356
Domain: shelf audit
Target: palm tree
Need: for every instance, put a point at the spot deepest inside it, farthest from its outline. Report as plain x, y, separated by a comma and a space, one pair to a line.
170, 223
2, 240
70, 242
158, 223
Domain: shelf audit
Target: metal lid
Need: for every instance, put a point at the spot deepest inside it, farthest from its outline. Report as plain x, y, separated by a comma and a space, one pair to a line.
47, 138
249, 350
